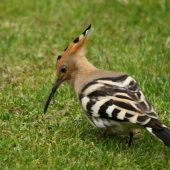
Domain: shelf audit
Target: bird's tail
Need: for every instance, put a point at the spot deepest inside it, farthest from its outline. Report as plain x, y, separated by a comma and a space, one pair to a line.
162, 134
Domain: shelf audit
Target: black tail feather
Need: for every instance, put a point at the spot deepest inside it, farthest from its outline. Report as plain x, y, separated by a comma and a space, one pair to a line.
161, 134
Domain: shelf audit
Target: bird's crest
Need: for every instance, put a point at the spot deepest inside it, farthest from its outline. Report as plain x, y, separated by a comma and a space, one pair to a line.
76, 47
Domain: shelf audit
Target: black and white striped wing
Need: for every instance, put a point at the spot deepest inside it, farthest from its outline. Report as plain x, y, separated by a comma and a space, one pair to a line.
118, 99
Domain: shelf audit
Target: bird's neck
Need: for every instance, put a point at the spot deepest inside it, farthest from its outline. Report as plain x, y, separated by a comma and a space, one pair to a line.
83, 69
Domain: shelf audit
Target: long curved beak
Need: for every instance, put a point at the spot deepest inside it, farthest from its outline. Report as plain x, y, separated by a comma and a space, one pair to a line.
55, 87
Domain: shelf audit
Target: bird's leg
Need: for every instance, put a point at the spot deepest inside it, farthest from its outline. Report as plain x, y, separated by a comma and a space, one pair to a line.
130, 140
101, 135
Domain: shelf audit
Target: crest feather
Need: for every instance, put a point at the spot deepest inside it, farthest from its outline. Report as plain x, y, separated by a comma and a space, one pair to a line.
78, 45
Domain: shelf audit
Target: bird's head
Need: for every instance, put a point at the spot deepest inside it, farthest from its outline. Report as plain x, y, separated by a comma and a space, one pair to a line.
68, 61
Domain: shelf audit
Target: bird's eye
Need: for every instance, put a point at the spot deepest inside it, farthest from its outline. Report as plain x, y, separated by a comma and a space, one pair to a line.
59, 57
63, 69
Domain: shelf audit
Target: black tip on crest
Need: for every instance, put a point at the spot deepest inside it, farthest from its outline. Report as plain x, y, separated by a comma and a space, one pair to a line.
65, 48
89, 27
84, 33
76, 40
59, 57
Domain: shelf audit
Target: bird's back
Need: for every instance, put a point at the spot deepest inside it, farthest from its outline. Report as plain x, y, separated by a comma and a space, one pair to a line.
111, 97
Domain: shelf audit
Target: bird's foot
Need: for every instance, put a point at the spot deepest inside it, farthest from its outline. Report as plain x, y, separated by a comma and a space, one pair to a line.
130, 140
101, 135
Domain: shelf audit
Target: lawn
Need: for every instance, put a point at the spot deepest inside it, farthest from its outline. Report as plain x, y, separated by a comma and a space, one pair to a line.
130, 36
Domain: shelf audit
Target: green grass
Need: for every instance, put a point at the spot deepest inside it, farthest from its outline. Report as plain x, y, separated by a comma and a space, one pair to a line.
127, 36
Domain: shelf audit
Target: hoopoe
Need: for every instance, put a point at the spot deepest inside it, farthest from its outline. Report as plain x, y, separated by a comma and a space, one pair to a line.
111, 101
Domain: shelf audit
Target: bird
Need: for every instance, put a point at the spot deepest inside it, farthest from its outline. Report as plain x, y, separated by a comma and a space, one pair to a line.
112, 101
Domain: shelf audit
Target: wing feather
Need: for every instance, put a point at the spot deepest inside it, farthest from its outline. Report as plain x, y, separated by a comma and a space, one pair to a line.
118, 99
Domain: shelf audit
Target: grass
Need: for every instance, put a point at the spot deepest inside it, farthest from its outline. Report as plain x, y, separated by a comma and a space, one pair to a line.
127, 36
